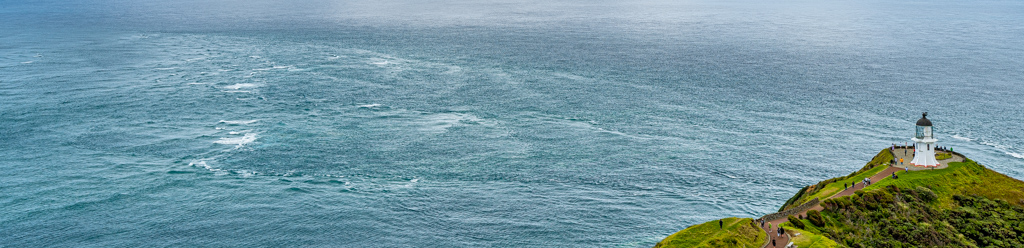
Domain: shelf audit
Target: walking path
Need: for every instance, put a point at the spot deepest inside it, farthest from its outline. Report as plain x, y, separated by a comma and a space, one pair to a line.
782, 240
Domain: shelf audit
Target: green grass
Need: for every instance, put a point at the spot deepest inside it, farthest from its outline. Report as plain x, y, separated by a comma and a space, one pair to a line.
943, 155
808, 238
737, 233
964, 205
962, 210
835, 185
961, 178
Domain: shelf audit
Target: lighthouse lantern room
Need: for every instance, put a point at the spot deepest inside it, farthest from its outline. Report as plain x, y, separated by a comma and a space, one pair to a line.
924, 143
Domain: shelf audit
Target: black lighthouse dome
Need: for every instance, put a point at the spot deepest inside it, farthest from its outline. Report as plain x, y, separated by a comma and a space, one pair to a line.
924, 122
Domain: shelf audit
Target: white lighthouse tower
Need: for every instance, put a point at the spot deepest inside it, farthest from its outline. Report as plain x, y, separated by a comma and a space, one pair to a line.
924, 144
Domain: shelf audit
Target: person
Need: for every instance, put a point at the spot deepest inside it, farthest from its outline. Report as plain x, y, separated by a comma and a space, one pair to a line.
906, 169
720, 224
844, 186
901, 160
769, 226
773, 242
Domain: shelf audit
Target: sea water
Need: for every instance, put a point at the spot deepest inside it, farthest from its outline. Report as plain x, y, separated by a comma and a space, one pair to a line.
472, 123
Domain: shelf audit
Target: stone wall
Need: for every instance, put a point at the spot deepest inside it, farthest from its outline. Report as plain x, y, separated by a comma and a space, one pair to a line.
792, 211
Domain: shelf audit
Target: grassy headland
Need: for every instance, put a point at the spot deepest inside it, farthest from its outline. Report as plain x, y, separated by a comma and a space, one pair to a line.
964, 205
824, 189
737, 232
808, 238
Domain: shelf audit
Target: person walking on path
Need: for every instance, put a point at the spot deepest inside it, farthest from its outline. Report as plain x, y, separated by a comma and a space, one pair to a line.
773, 242
844, 186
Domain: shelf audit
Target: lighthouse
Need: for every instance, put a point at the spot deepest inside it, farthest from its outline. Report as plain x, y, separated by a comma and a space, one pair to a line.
924, 143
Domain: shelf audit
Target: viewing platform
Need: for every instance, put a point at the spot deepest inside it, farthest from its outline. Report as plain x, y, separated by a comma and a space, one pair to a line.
907, 154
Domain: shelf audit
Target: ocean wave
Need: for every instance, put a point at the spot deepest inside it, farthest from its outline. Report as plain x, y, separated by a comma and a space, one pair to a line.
273, 68
440, 122
240, 86
238, 122
993, 144
237, 141
204, 165
1005, 149
1016, 155
962, 138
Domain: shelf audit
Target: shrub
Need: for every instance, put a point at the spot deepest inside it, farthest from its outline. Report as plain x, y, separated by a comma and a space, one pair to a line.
815, 218
926, 194
796, 222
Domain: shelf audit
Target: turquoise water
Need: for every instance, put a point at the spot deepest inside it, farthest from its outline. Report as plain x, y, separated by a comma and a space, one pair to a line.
469, 123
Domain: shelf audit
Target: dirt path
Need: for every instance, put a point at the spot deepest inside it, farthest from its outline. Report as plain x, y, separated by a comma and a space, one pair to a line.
781, 241
906, 154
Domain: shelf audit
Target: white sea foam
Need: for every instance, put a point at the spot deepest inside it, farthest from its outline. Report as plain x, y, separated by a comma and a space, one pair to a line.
273, 68
240, 86
203, 165
962, 138
238, 122
439, 123
370, 105
1016, 155
164, 69
27, 62
993, 144
237, 141
1003, 148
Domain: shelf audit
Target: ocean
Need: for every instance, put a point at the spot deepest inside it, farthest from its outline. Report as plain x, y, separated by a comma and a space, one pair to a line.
472, 123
